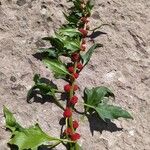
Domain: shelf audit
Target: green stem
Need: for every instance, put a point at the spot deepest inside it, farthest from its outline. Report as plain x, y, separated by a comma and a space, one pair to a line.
70, 96
89, 106
70, 120
62, 140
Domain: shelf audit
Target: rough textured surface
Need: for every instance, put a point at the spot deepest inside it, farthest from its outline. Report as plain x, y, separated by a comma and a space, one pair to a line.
123, 64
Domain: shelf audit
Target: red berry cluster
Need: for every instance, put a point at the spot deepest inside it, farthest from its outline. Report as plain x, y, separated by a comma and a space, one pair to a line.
74, 70
73, 136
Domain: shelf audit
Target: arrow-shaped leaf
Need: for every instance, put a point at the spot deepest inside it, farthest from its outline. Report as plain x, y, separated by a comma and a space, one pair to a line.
95, 96
30, 138
112, 112
26, 138
57, 67
86, 57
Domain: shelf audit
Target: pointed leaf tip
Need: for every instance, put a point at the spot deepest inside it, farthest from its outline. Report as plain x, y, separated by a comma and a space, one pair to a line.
112, 112
86, 57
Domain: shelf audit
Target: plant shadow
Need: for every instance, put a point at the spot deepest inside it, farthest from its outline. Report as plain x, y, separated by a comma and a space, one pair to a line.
96, 34
41, 147
13, 147
97, 124
40, 55
37, 96
44, 147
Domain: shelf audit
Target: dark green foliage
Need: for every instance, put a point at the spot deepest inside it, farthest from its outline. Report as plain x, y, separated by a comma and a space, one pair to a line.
96, 100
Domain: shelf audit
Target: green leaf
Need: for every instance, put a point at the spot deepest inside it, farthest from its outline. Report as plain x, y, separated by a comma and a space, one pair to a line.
51, 52
95, 96
30, 138
45, 89
57, 67
86, 57
78, 147
89, 7
70, 32
73, 18
25, 138
55, 42
72, 45
10, 120
111, 112
36, 78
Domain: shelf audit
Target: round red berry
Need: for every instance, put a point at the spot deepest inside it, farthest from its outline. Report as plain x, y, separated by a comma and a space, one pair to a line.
83, 32
75, 136
74, 100
75, 124
71, 69
79, 66
75, 57
84, 20
75, 87
75, 75
67, 88
67, 113
68, 131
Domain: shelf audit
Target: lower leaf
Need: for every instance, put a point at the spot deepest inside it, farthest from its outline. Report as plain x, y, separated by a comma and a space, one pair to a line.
25, 138
30, 138
11, 123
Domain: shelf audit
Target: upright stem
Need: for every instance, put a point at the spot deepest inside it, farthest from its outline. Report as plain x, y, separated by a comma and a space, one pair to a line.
71, 95
69, 121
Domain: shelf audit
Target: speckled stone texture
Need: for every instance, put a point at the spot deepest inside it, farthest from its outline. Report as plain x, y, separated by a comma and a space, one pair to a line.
122, 64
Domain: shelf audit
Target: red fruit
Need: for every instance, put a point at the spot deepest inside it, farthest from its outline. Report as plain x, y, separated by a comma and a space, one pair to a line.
83, 32
74, 100
71, 69
84, 20
75, 124
75, 75
67, 113
75, 136
83, 47
68, 131
67, 88
75, 57
75, 87
79, 66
